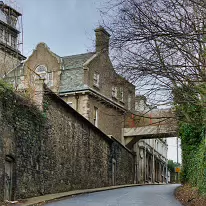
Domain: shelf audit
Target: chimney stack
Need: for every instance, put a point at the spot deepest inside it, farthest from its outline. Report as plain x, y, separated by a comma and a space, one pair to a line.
102, 40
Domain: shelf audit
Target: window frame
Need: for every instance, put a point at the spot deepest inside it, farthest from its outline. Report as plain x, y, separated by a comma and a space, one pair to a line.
13, 41
114, 92
121, 98
96, 79
95, 116
6, 36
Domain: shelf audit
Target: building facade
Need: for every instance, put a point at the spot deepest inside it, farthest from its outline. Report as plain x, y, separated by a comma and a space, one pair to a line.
87, 82
10, 56
152, 158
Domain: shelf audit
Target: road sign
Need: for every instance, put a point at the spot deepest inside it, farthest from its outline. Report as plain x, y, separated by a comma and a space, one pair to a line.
177, 169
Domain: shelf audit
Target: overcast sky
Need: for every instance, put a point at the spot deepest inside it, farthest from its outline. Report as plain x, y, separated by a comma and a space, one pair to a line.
67, 27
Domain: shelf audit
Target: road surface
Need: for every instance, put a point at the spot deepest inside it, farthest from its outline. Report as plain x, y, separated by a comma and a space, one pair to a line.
153, 195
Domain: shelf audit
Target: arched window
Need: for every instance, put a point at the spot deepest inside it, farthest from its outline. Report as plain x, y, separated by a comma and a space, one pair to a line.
41, 70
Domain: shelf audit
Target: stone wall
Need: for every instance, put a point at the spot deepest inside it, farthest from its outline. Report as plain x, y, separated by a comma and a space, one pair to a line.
57, 149
21, 132
81, 151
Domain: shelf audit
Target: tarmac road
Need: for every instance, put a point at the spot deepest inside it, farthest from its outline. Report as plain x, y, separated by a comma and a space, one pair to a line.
150, 195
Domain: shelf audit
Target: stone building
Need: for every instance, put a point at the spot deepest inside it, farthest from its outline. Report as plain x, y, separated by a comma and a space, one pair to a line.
87, 82
151, 161
10, 56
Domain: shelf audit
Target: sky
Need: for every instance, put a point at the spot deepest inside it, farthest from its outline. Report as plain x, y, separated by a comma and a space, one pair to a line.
172, 149
67, 27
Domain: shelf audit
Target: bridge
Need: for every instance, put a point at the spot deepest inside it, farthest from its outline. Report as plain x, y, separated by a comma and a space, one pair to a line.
152, 131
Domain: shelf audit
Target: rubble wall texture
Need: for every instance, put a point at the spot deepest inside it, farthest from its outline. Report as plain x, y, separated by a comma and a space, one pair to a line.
56, 150
80, 154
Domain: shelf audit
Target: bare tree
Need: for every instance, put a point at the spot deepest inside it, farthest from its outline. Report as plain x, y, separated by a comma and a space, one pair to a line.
159, 45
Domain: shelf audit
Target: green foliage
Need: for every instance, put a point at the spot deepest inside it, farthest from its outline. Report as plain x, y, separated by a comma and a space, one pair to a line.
16, 107
172, 165
192, 129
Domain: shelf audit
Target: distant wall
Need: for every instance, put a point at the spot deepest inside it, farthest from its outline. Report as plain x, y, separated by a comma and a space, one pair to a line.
57, 149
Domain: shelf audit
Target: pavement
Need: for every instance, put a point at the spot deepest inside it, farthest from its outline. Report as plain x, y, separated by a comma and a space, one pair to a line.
150, 195
123, 195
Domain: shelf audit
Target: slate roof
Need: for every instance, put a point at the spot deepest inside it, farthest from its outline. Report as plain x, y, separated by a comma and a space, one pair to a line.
72, 77
76, 61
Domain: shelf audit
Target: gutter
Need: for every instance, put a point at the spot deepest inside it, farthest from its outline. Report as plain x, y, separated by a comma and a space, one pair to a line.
94, 93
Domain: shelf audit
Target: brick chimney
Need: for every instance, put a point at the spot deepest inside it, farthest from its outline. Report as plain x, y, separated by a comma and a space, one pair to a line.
102, 40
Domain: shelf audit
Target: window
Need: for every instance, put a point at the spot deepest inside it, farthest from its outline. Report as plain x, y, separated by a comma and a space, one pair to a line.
95, 116
50, 79
96, 79
129, 102
41, 70
13, 41
6, 37
1, 32
114, 92
121, 94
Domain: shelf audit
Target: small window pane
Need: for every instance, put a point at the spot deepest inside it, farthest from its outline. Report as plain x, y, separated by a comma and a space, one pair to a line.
114, 92
96, 79
50, 79
13, 41
6, 37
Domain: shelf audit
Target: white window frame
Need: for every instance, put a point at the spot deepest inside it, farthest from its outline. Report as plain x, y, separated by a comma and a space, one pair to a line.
96, 119
44, 74
50, 82
121, 94
96, 79
114, 92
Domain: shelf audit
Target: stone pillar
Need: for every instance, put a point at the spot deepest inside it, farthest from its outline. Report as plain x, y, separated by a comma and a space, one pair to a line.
39, 93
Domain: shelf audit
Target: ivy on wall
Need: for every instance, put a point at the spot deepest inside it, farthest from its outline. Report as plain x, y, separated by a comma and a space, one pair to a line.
192, 131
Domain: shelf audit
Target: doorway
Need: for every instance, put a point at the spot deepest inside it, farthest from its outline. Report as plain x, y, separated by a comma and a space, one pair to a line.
8, 179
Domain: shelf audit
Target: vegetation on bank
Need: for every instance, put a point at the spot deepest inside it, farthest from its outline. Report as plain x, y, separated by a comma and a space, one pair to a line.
190, 196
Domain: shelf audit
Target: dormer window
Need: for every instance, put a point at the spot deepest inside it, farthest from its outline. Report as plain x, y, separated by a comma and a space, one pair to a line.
96, 79
41, 71
114, 92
